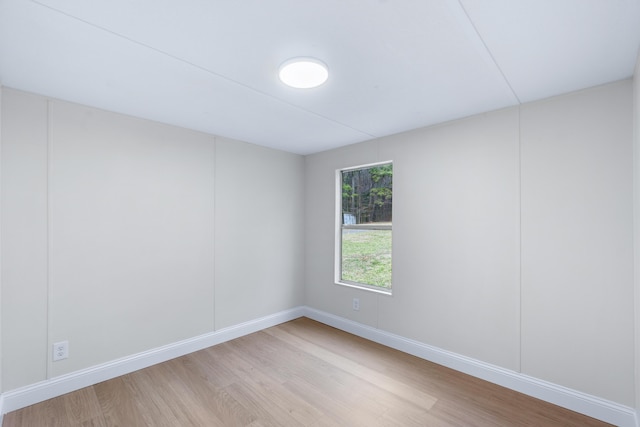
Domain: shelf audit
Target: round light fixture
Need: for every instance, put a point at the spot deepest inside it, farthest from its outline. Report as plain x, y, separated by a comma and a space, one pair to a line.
303, 73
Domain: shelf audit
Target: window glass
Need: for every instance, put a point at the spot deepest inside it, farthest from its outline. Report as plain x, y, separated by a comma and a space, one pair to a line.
366, 226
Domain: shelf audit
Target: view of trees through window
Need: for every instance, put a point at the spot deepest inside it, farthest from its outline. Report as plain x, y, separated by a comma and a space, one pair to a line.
367, 195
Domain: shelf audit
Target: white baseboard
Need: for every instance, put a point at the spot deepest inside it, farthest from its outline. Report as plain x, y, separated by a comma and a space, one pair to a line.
39, 392
592, 406
571, 399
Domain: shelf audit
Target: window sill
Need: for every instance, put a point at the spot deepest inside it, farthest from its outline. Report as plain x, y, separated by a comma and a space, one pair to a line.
365, 288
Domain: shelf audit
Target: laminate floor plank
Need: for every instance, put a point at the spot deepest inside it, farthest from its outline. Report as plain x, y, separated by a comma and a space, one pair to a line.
333, 406
157, 403
402, 366
293, 367
357, 369
76, 409
82, 408
300, 373
305, 368
119, 404
216, 405
362, 387
206, 364
280, 397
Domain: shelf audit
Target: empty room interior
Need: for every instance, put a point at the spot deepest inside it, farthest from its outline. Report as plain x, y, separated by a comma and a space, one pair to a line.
445, 223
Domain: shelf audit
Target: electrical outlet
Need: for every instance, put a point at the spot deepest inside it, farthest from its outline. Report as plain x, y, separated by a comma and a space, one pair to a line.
356, 304
60, 350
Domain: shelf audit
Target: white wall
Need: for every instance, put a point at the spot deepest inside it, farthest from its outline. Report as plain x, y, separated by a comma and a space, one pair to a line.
259, 232
1, 358
455, 237
636, 217
512, 237
115, 231
480, 202
577, 241
24, 238
131, 208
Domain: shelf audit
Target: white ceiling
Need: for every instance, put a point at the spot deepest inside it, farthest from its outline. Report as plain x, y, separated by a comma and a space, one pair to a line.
395, 65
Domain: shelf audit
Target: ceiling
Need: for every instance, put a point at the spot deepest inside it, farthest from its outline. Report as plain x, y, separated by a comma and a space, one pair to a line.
395, 65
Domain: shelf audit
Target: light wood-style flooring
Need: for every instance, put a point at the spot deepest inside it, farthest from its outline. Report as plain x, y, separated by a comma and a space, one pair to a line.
300, 373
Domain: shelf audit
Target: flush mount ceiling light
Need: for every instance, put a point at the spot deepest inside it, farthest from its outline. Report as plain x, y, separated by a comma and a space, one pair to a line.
303, 73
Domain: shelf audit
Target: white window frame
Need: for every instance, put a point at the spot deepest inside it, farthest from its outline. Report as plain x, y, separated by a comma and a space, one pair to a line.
339, 227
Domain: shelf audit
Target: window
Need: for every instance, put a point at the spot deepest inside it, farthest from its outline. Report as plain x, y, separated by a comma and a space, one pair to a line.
364, 224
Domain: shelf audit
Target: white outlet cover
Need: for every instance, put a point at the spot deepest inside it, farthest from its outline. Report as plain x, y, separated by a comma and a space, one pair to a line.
60, 350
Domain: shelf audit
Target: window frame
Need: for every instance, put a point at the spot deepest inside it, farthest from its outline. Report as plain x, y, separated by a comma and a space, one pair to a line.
339, 226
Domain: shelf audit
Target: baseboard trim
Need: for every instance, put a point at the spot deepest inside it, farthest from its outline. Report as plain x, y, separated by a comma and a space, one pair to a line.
41, 391
592, 406
583, 403
1, 408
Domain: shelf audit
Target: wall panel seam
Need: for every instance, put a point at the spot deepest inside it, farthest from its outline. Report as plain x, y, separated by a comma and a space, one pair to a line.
49, 142
520, 238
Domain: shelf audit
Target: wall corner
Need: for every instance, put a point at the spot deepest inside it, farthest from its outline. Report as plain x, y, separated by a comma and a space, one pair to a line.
1, 358
636, 228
